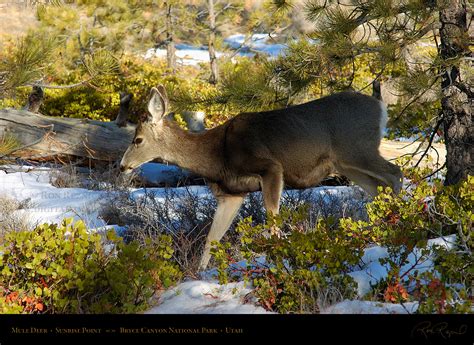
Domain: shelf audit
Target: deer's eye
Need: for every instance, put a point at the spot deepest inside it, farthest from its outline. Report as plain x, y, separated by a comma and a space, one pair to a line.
138, 141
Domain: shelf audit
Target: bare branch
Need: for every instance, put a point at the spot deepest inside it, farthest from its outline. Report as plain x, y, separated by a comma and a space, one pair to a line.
430, 142
70, 86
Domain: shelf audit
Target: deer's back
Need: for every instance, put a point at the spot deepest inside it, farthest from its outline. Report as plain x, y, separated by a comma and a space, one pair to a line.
305, 136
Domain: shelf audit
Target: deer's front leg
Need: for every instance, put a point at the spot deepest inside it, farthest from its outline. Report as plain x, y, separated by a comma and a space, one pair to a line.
272, 186
227, 208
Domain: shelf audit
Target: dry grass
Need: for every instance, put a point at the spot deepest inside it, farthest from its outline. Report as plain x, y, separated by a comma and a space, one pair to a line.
187, 216
8, 144
10, 219
107, 178
66, 177
350, 202
184, 215
16, 20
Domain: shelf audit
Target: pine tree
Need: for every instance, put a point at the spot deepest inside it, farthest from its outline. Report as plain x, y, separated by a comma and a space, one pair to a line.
382, 30
457, 94
170, 44
89, 37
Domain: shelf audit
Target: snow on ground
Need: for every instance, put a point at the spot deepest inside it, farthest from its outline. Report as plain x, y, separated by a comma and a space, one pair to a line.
369, 307
155, 173
243, 45
185, 54
256, 43
203, 297
372, 271
50, 204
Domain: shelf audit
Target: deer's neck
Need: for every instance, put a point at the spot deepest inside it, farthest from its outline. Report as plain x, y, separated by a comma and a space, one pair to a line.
197, 152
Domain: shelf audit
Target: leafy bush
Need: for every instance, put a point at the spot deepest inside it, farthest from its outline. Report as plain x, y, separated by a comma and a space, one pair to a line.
403, 224
17, 100
181, 213
305, 268
81, 102
99, 99
65, 269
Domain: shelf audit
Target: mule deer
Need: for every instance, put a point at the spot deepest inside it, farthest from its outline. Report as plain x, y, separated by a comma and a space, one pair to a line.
297, 147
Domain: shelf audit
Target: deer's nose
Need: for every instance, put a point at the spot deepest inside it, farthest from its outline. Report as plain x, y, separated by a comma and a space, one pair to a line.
126, 169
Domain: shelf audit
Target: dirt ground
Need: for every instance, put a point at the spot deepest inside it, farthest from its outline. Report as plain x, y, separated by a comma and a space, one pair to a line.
15, 19
391, 149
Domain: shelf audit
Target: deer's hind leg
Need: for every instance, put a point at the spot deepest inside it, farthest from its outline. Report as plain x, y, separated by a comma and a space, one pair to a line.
385, 171
371, 172
367, 182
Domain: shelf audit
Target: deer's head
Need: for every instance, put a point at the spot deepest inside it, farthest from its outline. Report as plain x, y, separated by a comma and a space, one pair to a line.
148, 134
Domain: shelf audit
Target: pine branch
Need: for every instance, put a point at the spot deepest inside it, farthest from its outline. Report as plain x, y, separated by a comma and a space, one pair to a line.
28, 60
414, 99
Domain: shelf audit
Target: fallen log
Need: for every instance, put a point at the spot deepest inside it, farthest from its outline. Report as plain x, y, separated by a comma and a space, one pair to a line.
45, 138
40, 136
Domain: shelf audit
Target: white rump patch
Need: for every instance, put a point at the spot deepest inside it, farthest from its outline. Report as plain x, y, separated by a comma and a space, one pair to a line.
200, 115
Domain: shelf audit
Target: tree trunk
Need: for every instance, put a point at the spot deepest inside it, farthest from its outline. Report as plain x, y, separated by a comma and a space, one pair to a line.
35, 99
212, 41
457, 94
170, 48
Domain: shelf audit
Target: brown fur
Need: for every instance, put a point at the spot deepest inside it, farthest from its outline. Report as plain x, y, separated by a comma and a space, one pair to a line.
294, 147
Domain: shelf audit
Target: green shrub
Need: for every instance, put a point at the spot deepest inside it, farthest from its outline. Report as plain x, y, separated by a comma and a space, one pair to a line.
303, 266
99, 99
81, 102
18, 100
65, 269
403, 224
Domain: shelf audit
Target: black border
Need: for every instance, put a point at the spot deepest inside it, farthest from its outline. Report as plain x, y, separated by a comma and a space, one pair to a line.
319, 329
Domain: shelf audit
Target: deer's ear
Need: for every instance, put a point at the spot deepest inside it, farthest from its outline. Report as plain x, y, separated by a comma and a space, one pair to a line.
156, 105
163, 93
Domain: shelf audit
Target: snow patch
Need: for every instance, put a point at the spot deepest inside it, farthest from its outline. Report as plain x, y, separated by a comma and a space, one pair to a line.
48, 203
203, 297
155, 173
256, 43
190, 55
372, 271
369, 307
